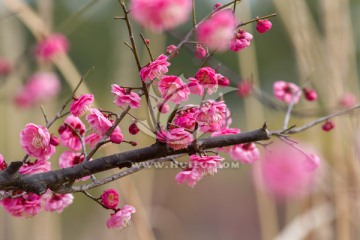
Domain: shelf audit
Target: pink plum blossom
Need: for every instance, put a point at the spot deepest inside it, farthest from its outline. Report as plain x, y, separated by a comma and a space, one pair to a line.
160, 15
263, 25
200, 52
35, 140
69, 159
57, 202
125, 96
176, 138
222, 80
133, 129
39, 166
70, 138
98, 121
206, 77
185, 118
211, 116
121, 219
287, 92
189, 176
163, 107
216, 32
39, 88
49, 47
110, 198
27, 205
328, 125
245, 153
170, 49
310, 94
195, 87
312, 162
173, 89
206, 165
3, 164
81, 105
240, 40
92, 139
116, 136
155, 69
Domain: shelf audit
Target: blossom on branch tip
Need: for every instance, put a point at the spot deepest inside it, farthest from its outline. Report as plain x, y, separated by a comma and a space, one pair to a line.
125, 96
121, 219
310, 94
173, 89
57, 202
49, 47
200, 52
240, 40
287, 92
98, 121
207, 78
133, 129
222, 80
263, 25
35, 140
170, 49
155, 69
116, 136
328, 125
160, 15
176, 138
216, 32
81, 105
245, 88
110, 198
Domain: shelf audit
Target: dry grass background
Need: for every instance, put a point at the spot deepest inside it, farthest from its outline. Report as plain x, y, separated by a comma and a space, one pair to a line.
227, 206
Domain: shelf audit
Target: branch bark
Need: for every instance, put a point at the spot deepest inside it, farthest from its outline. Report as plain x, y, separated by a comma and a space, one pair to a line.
60, 180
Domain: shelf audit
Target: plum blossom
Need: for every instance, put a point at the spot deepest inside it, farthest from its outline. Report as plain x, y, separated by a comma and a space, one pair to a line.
110, 198
69, 138
206, 165
170, 49
200, 52
176, 138
155, 69
92, 139
98, 121
163, 107
185, 118
173, 89
348, 100
263, 25
27, 205
69, 159
310, 94
49, 47
195, 87
5, 67
116, 136
211, 116
160, 15
206, 77
39, 88
35, 140
245, 88
189, 176
3, 164
121, 219
287, 92
328, 125
240, 40
216, 32
39, 166
245, 153
133, 129
125, 96
222, 80
57, 202
81, 105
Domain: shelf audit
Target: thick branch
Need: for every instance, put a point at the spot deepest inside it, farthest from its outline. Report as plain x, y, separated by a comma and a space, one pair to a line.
56, 180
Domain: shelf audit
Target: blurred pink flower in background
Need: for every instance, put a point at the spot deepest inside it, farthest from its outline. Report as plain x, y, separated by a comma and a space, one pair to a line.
155, 69
81, 105
39, 88
348, 100
121, 219
286, 172
49, 47
287, 92
35, 140
5, 67
245, 153
160, 15
245, 88
216, 32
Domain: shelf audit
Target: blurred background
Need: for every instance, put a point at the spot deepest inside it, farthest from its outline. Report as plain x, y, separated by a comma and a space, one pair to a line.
312, 43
